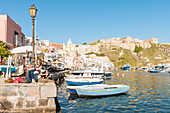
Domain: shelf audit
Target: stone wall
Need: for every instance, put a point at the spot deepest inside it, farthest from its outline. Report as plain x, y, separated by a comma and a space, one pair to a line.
152, 40
27, 97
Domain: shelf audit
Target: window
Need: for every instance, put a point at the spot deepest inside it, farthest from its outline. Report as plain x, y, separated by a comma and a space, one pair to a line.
15, 41
22, 40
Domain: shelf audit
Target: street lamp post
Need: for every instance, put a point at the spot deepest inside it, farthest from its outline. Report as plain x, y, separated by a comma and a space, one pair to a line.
36, 42
33, 12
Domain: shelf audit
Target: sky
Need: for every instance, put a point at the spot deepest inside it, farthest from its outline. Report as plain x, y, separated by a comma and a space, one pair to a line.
85, 21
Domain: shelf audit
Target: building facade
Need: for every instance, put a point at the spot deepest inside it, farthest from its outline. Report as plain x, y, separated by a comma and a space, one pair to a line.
58, 46
43, 43
11, 32
28, 41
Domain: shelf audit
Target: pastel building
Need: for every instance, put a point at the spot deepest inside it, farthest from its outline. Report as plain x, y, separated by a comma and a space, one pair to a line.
11, 32
56, 45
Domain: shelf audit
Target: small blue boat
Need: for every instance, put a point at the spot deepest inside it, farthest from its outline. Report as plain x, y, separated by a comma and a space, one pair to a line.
126, 67
154, 71
157, 67
98, 90
107, 74
79, 82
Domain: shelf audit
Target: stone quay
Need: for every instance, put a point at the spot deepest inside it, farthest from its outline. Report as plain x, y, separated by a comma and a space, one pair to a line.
30, 97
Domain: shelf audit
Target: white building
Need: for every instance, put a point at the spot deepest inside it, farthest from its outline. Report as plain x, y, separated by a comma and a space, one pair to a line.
43, 43
69, 62
70, 48
50, 55
83, 49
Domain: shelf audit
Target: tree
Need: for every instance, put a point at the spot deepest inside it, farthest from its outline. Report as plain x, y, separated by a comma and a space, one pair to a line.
98, 41
45, 50
84, 43
4, 49
90, 53
102, 54
138, 49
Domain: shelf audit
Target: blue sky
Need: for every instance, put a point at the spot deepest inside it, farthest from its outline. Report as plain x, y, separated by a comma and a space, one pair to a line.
90, 20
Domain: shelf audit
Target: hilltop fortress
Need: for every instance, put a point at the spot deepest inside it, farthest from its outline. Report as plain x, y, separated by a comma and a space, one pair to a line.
125, 43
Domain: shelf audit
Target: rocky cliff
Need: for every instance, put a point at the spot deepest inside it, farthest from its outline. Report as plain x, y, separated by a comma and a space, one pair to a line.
121, 50
125, 43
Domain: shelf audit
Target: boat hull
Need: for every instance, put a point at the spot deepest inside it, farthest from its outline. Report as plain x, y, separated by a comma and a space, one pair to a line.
155, 71
72, 91
108, 75
101, 92
83, 77
72, 83
126, 68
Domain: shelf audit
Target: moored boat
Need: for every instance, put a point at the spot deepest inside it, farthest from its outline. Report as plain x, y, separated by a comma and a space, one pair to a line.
126, 67
78, 82
98, 90
85, 74
82, 77
72, 89
154, 71
107, 74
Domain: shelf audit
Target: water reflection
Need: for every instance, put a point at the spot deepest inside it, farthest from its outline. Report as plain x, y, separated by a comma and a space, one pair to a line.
148, 93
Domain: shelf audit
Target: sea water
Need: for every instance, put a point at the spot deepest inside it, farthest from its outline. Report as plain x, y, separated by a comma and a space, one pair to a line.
148, 93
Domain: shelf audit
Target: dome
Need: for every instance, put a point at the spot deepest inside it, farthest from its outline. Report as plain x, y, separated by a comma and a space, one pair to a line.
69, 42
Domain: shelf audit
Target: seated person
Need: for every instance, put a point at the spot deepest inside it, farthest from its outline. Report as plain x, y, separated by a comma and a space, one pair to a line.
31, 76
43, 73
34, 74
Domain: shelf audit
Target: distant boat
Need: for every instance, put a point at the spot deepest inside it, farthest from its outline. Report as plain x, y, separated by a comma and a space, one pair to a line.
126, 67
78, 82
162, 70
101, 90
165, 67
107, 74
157, 66
154, 71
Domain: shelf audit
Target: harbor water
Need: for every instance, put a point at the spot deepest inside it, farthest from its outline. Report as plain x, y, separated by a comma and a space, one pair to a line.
148, 93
